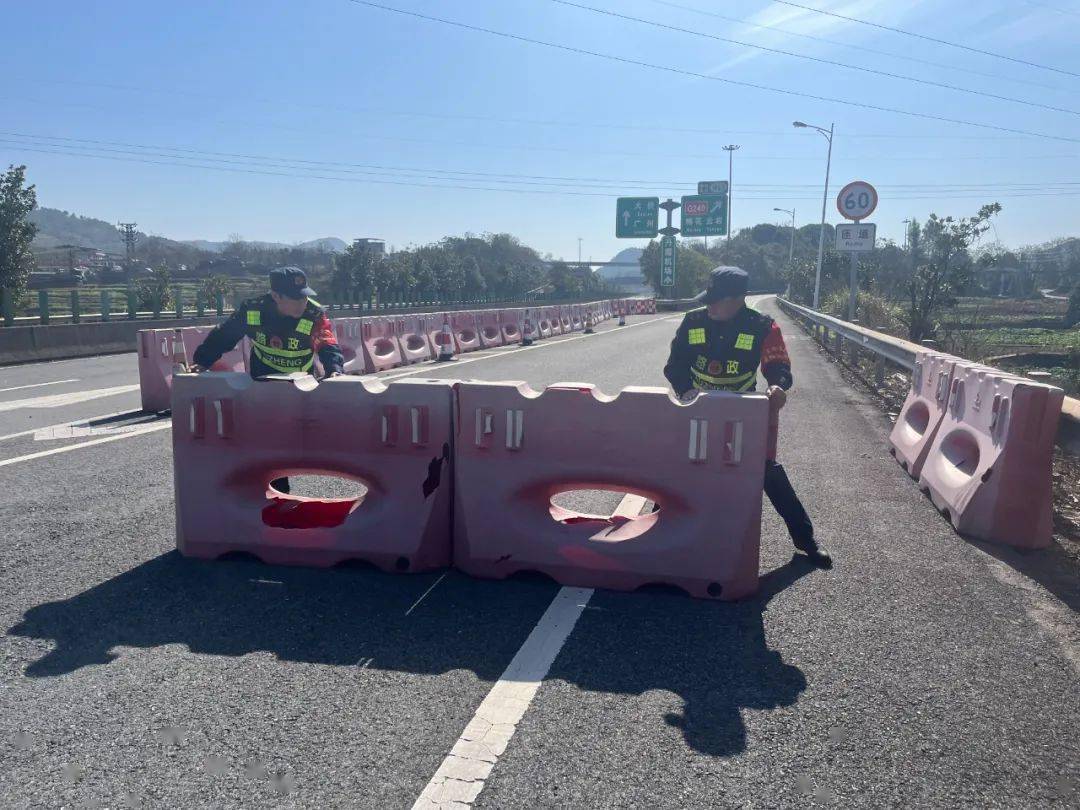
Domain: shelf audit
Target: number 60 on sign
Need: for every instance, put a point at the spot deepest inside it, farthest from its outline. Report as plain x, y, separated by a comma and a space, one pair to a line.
856, 200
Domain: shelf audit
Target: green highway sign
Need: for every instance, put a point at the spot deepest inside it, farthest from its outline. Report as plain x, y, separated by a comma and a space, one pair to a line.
667, 261
704, 215
636, 217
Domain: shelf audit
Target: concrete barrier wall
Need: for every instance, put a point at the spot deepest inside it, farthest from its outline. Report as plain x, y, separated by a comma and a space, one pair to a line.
27, 344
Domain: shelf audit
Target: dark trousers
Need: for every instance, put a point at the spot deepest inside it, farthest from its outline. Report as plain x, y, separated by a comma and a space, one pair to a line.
787, 504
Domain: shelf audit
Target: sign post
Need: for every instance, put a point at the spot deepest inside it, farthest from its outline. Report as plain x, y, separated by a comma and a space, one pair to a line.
856, 201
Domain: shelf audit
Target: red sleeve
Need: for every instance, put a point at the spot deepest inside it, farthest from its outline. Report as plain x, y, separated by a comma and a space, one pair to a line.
322, 333
773, 349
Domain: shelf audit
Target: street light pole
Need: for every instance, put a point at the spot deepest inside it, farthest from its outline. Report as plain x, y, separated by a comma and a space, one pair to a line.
579, 252
791, 247
730, 149
824, 201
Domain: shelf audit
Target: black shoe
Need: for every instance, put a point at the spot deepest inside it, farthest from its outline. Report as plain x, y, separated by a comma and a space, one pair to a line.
817, 555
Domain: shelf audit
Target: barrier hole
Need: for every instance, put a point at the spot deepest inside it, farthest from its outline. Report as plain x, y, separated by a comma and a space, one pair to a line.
384, 347
961, 451
401, 563
314, 501
490, 333
986, 475
715, 589
510, 330
467, 336
415, 343
918, 417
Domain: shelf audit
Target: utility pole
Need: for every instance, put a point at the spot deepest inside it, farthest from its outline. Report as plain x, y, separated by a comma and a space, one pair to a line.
579, 252
730, 149
130, 237
824, 199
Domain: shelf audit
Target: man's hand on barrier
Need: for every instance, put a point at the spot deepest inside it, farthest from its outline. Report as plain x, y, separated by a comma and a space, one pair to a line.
332, 374
195, 368
777, 396
689, 396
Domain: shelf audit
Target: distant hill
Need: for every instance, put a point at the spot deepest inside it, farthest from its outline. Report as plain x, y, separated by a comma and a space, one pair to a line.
330, 244
631, 254
56, 227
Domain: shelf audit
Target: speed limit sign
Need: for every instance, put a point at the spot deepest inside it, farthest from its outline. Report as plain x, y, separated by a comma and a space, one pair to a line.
856, 200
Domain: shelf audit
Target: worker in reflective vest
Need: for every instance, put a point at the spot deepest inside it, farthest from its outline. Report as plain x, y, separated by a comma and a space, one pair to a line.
719, 348
288, 329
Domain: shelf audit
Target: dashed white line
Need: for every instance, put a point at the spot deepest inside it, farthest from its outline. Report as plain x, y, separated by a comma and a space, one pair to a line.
68, 448
461, 776
35, 385
60, 400
72, 423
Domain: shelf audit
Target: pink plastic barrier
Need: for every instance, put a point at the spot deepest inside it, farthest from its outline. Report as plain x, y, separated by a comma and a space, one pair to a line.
919, 419
489, 327
542, 326
642, 306
465, 331
232, 436
989, 467
565, 320
512, 324
349, 336
380, 344
412, 335
577, 317
156, 347
515, 450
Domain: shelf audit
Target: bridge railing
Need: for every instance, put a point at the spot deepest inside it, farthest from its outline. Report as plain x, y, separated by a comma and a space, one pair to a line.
840, 336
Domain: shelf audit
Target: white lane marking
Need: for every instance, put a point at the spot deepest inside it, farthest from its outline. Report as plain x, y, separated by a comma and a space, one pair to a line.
35, 385
548, 342
68, 448
425, 593
461, 776
50, 434
68, 424
60, 400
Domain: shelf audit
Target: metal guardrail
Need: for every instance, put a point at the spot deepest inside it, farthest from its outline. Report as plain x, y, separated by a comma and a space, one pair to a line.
902, 353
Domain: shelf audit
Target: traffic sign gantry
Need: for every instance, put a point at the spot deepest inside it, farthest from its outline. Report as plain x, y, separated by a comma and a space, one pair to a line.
636, 217
704, 215
856, 200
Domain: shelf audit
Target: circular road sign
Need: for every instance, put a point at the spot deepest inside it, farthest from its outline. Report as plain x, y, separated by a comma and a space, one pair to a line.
856, 200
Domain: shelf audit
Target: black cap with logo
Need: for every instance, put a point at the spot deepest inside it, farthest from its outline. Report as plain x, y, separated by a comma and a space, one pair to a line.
290, 282
725, 282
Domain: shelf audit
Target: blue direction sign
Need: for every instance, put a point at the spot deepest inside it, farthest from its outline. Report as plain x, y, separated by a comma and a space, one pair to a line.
636, 217
667, 261
704, 215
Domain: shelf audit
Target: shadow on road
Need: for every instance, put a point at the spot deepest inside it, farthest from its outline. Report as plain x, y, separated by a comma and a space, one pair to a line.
712, 654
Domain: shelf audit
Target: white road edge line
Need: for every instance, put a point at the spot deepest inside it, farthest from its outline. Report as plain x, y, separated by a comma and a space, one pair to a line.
548, 342
461, 776
35, 385
68, 448
424, 594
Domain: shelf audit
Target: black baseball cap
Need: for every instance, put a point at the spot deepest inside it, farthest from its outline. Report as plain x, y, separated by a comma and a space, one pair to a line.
290, 282
724, 282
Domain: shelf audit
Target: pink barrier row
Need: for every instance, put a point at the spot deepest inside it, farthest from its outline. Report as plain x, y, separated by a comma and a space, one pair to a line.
157, 349
514, 450
375, 343
980, 442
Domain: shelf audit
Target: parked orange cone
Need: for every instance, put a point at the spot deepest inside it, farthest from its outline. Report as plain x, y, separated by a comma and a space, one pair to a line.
446, 344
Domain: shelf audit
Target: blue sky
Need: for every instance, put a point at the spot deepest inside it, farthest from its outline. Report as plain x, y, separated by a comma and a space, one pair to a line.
330, 118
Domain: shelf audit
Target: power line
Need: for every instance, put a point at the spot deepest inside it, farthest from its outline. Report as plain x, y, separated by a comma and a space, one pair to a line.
928, 38
695, 74
820, 60
852, 46
911, 192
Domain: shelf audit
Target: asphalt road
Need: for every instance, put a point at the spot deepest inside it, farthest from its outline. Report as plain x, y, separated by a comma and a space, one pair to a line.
921, 671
